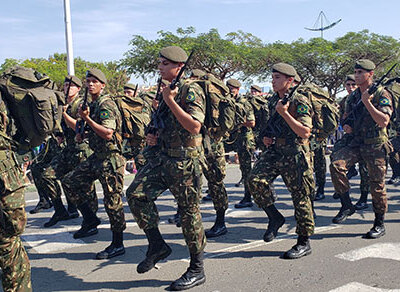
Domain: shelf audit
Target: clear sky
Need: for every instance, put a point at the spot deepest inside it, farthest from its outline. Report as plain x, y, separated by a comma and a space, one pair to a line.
102, 29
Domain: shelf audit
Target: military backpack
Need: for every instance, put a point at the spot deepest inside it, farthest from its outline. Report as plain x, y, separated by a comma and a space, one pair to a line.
393, 87
33, 103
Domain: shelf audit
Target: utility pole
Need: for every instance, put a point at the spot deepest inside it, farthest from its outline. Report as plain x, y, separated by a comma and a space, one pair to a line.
68, 38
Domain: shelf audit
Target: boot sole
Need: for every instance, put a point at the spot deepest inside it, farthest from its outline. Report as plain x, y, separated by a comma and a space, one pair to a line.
217, 234
197, 283
109, 256
275, 233
297, 257
156, 260
375, 237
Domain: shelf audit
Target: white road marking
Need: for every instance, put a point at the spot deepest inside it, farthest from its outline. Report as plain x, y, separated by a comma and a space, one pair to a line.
378, 250
358, 287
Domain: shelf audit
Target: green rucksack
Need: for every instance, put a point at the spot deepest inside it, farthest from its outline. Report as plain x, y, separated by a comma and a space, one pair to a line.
34, 104
326, 112
393, 87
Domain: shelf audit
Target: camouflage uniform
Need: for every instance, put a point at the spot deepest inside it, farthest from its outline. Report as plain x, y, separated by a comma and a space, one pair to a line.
319, 150
66, 160
290, 157
106, 164
177, 168
368, 143
14, 261
258, 103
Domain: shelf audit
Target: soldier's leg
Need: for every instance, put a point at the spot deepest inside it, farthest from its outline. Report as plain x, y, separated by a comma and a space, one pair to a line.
148, 184
215, 174
341, 160
375, 159
320, 170
245, 155
14, 261
261, 179
44, 200
364, 186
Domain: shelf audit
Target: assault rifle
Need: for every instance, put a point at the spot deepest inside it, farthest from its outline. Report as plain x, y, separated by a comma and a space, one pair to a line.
80, 124
136, 88
273, 128
356, 112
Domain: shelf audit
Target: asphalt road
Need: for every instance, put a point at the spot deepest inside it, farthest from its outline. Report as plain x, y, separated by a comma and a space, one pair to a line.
341, 259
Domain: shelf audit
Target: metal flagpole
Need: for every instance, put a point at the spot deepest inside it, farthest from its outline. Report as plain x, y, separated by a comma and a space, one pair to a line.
68, 38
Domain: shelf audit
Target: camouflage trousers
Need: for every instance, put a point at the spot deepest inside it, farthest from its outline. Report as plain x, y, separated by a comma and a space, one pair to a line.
14, 261
297, 173
215, 172
245, 155
58, 167
375, 159
320, 163
109, 170
182, 176
394, 157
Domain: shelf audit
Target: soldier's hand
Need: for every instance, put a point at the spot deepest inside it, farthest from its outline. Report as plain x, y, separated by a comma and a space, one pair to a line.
366, 97
169, 95
267, 141
280, 108
151, 140
78, 138
154, 103
65, 107
347, 129
84, 114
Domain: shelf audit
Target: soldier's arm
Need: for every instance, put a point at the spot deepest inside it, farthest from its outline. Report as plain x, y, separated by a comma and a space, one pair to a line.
381, 117
300, 130
70, 121
102, 131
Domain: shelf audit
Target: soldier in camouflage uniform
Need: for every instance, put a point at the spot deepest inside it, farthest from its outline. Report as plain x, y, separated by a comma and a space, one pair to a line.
369, 143
14, 262
177, 167
258, 102
288, 154
104, 131
243, 140
68, 158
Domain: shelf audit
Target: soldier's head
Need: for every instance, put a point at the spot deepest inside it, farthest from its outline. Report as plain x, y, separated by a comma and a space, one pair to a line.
129, 89
171, 60
255, 90
95, 81
74, 84
350, 83
364, 72
234, 86
282, 77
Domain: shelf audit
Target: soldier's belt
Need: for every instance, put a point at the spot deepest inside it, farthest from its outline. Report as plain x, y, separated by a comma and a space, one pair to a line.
284, 142
182, 152
104, 155
194, 142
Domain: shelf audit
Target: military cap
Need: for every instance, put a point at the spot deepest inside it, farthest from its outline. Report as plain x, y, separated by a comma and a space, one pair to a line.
174, 53
285, 69
165, 82
350, 77
233, 83
297, 78
98, 74
197, 73
74, 80
365, 64
130, 86
256, 87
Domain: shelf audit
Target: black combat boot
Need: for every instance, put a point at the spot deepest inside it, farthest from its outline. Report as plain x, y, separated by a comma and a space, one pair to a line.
245, 202
240, 182
395, 179
156, 251
176, 219
351, 172
219, 227
336, 196
60, 213
194, 275
362, 202
116, 247
319, 195
207, 198
43, 204
89, 223
72, 210
301, 249
276, 220
378, 229
346, 210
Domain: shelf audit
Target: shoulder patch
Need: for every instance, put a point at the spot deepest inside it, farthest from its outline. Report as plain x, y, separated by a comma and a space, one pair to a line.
104, 114
190, 97
302, 109
384, 101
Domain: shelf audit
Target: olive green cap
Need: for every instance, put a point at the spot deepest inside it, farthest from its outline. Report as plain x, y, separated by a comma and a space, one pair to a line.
74, 80
365, 64
350, 77
197, 73
256, 87
234, 83
297, 78
174, 53
130, 86
98, 74
165, 82
285, 69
